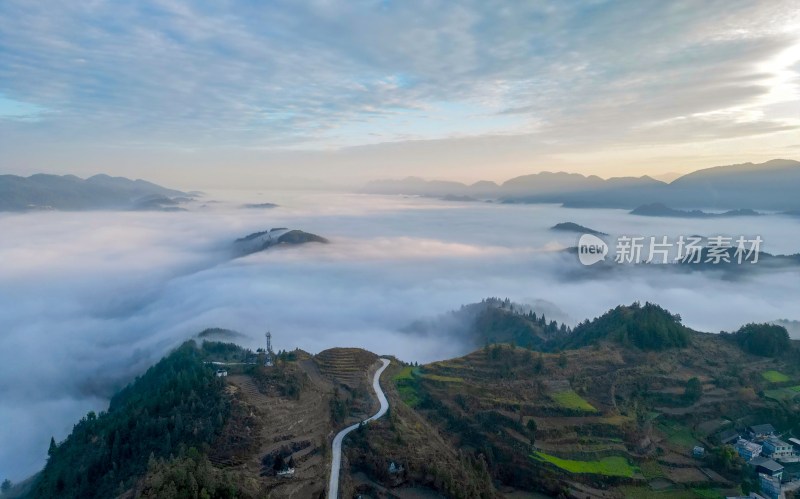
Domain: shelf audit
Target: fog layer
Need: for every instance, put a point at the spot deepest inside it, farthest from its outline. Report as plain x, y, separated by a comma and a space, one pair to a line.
88, 300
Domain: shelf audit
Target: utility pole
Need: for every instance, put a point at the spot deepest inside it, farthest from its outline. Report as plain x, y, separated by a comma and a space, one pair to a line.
270, 355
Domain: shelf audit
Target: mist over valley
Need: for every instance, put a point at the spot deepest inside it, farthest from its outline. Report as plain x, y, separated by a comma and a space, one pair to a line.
92, 299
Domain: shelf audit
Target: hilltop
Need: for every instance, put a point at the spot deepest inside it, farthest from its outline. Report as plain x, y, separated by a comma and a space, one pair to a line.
493, 320
260, 241
576, 228
648, 327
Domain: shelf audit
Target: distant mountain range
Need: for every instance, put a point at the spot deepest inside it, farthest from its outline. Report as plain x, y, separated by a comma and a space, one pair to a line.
772, 185
68, 192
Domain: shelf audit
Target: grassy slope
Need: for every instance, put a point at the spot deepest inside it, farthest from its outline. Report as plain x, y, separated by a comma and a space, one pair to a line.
607, 466
582, 429
774, 376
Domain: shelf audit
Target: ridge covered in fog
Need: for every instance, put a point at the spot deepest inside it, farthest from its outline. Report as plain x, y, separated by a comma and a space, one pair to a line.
766, 186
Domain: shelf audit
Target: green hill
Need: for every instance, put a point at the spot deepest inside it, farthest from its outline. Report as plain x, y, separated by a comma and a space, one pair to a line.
765, 340
648, 327
177, 405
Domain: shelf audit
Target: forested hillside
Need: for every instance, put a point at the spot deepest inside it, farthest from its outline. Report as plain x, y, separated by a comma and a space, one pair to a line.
647, 326
177, 405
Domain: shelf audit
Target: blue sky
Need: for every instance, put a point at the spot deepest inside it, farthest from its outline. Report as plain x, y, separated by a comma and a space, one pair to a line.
235, 92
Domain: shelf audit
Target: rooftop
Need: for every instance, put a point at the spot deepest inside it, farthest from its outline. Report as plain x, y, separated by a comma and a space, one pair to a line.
753, 447
766, 463
762, 429
777, 442
728, 435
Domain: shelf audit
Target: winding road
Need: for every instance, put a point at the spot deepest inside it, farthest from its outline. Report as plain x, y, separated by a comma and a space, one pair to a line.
336, 461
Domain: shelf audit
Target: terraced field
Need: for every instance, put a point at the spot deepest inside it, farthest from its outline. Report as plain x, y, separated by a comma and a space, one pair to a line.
607, 466
783, 394
775, 376
346, 365
571, 400
575, 416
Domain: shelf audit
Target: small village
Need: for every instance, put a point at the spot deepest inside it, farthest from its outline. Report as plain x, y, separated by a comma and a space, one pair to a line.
760, 447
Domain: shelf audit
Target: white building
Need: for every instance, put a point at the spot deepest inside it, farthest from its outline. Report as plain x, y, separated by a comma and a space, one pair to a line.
287, 473
775, 448
747, 449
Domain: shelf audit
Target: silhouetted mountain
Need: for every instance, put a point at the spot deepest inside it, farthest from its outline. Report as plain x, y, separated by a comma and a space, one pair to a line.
260, 205
158, 202
767, 186
68, 192
548, 183
259, 241
660, 210
578, 229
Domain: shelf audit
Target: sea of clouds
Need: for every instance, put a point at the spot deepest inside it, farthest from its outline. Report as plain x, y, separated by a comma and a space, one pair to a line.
89, 300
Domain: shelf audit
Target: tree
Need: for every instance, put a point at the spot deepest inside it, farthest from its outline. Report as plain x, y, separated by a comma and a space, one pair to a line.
766, 340
538, 363
694, 390
139, 423
6, 486
531, 425
647, 327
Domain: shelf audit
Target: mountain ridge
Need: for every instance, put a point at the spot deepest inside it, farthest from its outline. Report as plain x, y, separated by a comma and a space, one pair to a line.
44, 191
770, 185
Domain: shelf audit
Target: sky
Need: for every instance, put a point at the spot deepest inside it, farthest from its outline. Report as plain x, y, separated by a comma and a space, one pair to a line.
257, 93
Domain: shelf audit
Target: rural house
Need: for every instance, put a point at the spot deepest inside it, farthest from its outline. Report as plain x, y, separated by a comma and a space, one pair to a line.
760, 431
770, 486
728, 437
776, 448
767, 466
747, 449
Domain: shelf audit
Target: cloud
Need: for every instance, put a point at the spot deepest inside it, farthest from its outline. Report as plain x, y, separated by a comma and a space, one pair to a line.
322, 75
88, 300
